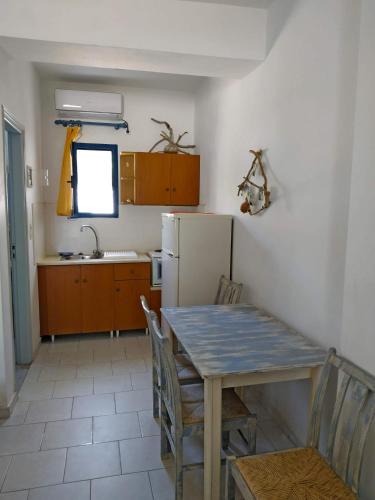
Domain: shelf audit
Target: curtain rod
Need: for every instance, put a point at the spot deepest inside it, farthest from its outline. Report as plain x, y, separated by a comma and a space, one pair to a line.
79, 123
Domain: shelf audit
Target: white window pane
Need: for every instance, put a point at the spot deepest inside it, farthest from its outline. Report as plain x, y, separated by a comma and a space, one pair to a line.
94, 187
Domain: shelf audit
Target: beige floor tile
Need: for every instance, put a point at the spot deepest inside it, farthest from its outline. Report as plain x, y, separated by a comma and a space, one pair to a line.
20, 438
116, 427
53, 373
129, 366
16, 495
95, 370
141, 380
119, 383
75, 387
150, 426
35, 391
49, 410
91, 406
76, 358
133, 401
31, 470
127, 487
18, 414
63, 345
4, 464
92, 461
67, 433
140, 454
69, 491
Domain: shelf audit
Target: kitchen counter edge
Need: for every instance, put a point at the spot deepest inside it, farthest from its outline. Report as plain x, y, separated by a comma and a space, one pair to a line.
56, 261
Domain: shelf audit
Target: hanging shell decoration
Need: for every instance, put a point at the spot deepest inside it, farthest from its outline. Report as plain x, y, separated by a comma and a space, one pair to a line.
254, 187
172, 145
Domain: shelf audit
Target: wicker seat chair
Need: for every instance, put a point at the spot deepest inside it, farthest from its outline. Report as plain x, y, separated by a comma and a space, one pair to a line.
228, 292
305, 473
182, 412
187, 374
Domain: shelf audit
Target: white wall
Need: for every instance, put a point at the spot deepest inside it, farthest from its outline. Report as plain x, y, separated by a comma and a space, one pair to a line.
358, 333
19, 93
137, 227
299, 106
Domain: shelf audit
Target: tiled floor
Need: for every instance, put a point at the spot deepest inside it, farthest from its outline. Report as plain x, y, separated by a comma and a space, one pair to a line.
83, 427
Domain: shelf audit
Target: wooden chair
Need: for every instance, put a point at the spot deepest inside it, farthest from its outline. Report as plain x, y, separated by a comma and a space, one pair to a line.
187, 374
304, 473
228, 291
182, 413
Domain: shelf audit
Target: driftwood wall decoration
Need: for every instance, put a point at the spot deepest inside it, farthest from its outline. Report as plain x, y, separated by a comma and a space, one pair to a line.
172, 146
254, 187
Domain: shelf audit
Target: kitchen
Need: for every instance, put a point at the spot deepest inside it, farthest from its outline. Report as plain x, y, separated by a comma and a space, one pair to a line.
282, 90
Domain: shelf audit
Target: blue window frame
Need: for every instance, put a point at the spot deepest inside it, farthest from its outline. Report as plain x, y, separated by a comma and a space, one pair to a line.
95, 180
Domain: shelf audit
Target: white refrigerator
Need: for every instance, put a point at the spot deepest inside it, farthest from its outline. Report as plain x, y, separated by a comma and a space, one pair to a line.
196, 251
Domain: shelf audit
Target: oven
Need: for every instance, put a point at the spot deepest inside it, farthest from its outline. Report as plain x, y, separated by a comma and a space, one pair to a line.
156, 268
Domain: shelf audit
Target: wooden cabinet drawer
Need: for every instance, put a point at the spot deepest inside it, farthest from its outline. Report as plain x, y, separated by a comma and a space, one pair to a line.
132, 271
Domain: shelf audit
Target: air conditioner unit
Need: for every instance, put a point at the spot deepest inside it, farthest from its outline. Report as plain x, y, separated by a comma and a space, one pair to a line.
75, 103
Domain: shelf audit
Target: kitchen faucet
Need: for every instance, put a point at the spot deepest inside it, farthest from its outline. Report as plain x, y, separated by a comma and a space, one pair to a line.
96, 254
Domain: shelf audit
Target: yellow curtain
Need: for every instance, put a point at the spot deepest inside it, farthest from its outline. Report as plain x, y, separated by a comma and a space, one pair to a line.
65, 199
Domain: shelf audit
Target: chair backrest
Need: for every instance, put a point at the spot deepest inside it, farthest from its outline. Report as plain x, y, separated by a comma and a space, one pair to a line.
150, 316
228, 291
169, 386
353, 413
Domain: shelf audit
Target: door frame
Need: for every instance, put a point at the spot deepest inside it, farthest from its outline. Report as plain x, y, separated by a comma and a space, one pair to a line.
18, 266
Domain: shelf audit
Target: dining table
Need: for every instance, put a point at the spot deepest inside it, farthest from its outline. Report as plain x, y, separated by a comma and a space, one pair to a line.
235, 346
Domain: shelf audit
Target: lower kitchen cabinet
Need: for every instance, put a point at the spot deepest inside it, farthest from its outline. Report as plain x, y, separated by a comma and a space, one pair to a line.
129, 314
60, 299
92, 297
97, 297
155, 300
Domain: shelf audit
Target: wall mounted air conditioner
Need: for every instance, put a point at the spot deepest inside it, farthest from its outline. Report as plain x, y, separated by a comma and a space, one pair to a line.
73, 103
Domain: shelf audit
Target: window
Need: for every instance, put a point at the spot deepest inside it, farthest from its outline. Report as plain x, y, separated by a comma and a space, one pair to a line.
95, 180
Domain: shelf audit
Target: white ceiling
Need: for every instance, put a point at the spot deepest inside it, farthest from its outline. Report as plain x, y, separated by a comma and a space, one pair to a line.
260, 4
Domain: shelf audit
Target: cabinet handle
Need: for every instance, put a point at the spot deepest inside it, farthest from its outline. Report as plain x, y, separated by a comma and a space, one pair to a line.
84, 280
167, 189
76, 281
174, 190
131, 271
117, 289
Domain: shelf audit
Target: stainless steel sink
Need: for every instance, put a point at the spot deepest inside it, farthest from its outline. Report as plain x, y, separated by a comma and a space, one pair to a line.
80, 256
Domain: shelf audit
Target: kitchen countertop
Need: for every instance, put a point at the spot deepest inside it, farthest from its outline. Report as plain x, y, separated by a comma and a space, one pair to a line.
55, 260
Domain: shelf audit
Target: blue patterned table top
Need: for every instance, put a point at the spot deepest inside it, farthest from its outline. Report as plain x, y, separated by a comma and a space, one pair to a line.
235, 339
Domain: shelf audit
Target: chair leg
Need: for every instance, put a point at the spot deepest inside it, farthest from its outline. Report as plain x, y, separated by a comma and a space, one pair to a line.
252, 436
230, 486
179, 484
165, 447
225, 440
155, 393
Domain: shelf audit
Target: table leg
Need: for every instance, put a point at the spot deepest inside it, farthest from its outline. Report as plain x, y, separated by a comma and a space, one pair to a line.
212, 438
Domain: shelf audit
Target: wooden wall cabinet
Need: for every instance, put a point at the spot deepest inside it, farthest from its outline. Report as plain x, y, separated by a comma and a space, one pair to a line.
159, 179
92, 297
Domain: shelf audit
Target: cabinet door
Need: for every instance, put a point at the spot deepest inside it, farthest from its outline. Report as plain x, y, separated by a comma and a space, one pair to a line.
63, 297
152, 179
129, 314
185, 179
97, 297
127, 178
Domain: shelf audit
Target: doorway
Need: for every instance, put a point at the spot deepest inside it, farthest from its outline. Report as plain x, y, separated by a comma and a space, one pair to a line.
17, 223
